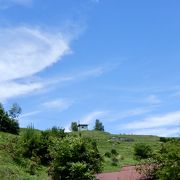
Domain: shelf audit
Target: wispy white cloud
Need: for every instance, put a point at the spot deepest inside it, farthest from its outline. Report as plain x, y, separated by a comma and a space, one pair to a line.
88, 119
8, 3
153, 99
170, 119
23, 53
26, 51
60, 104
29, 114
79, 74
113, 116
12, 89
164, 132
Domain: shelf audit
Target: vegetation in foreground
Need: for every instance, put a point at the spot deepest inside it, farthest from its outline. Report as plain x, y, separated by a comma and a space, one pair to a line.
51, 153
163, 164
54, 154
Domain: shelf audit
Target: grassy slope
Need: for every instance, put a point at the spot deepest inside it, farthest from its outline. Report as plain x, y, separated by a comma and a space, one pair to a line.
124, 149
11, 170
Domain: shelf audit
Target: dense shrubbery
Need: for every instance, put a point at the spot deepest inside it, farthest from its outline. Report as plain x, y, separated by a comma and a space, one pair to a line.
164, 164
114, 155
142, 151
67, 157
168, 161
166, 139
75, 158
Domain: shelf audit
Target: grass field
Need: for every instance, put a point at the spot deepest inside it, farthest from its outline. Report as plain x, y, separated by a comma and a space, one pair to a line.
124, 149
10, 170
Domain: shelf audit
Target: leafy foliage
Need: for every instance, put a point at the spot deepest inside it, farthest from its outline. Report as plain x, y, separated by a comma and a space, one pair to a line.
98, 125
114, 160
74, 126
69, 157
46, 140
142, 151
8, 123
15, 111
35, 145
114, 152
165, 139
72, 156
164, 164
168, 160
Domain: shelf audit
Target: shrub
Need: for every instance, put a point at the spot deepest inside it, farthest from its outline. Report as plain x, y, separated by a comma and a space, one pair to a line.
168, 160
114, 152
142, 151
29, 142
25, 150
164, 164
46, 139
114, 161
108, 154
72, 156
79, 171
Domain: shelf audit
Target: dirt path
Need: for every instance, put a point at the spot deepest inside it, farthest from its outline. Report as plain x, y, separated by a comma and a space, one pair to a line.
126, 173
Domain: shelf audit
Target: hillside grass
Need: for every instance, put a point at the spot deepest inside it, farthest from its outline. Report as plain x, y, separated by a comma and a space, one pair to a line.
12, 171
124, 149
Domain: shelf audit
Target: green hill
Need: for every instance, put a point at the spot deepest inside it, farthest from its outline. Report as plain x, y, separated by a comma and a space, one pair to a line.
11, 170
122, 145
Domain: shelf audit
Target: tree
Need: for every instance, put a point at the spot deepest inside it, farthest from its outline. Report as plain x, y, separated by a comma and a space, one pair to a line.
74, 158
15, 111
74, 126
7, 123
98, 125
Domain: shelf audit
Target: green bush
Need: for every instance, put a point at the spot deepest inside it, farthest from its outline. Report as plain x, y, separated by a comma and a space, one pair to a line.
142, 151
74, 158
108, 154
46, 139
115, 161
114, 152
79, 171
164, 164
29, 142
25, 150
168, 160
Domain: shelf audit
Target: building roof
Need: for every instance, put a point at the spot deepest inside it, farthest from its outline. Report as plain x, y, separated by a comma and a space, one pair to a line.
79, 125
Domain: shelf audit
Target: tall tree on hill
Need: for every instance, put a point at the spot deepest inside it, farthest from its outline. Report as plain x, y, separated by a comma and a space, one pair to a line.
8, 123
74, 126
98, 125
15, 111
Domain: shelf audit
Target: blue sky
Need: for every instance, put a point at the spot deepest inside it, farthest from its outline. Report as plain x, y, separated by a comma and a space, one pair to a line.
82, 60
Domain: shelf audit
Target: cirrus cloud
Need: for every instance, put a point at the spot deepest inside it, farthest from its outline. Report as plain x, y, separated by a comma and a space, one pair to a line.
24, 52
